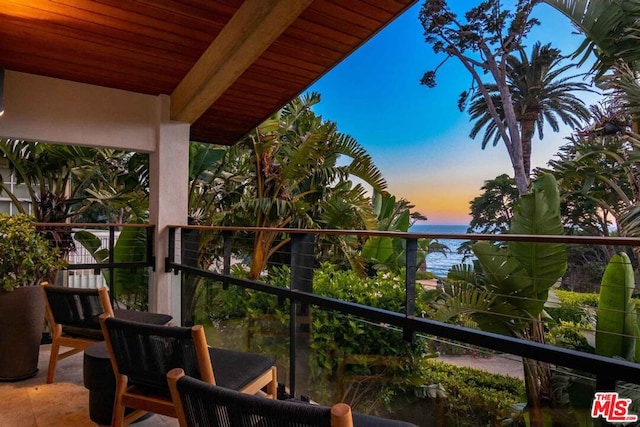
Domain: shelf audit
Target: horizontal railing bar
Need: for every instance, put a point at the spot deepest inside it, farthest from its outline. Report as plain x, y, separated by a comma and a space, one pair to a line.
84, 225
108, 265
600, 240
599, 365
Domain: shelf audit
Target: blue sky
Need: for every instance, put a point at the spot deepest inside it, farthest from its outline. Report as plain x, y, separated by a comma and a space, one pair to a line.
416, 135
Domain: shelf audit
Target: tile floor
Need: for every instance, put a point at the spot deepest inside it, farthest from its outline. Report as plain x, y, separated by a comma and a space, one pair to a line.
65, 403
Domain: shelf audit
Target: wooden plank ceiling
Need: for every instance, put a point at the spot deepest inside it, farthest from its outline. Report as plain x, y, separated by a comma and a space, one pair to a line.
150, 46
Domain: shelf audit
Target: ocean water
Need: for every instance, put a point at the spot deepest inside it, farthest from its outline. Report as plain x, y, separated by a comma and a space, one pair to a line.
437, 263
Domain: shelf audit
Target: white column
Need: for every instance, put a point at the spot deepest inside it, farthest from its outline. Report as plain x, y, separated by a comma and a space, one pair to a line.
168, 204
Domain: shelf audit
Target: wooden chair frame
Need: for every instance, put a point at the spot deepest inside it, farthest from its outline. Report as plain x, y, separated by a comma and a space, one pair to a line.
76, 344
341, 415
131, 397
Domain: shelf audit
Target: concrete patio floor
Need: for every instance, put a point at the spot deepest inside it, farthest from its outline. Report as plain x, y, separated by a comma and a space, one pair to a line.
33, 403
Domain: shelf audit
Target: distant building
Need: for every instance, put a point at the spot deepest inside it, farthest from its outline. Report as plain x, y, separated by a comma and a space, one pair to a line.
20, 190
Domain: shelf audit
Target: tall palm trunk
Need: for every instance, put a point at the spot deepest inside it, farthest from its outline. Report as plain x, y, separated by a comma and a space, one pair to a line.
526, 130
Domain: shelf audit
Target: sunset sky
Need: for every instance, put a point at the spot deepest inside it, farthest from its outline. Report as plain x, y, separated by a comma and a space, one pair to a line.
416, 135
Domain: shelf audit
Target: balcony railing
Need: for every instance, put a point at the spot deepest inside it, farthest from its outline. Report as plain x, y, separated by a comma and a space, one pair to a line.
108, 252
223, 244
209, 254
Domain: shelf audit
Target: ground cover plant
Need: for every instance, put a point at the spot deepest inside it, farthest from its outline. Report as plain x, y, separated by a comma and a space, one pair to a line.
474, 397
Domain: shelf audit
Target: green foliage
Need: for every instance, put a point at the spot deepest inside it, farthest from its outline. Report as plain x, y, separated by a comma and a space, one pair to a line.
333, 333
425, 275
474, 396
387, 252
617, 328
491, 211
384, 253
131, 285
237, 302
508, 287
26, 257
569, 335
541, 94
602, 170
293, 170
538, 213
573, 306
610, 28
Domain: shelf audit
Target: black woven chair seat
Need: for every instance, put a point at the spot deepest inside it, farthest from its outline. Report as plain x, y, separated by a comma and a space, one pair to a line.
93, 330
77, 332
236, 369
142, 317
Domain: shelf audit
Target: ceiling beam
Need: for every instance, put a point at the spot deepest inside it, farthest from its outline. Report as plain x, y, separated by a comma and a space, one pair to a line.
249, 32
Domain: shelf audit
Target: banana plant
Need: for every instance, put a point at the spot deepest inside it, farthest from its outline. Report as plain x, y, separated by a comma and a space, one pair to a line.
389, 253
519, 276
617, 333
617, 325
516, 281
130, 285
393, 215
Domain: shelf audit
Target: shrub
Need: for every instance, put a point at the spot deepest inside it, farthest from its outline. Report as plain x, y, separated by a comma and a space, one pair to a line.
473, 396
26, 257
573, 306
569, 335
334, 333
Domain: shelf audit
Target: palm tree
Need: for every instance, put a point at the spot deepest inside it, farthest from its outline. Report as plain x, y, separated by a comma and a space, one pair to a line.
539, 94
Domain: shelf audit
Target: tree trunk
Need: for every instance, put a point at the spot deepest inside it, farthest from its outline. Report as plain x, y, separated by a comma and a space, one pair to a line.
261, 248
527, 128
522, 179
537, 379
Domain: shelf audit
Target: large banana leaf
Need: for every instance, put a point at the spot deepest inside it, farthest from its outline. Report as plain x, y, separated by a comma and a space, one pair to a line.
387, 250
132, 284
504, 276
92, 244
617, 327
538, 213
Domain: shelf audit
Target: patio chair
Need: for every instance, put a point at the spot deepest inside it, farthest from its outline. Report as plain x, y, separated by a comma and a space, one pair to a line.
201, 404
72, 314
205, 405
142, 354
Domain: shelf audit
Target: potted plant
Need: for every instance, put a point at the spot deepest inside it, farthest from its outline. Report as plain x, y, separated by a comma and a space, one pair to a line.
26, 258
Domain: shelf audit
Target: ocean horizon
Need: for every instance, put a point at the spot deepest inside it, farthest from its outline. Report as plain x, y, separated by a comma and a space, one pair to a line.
437, 263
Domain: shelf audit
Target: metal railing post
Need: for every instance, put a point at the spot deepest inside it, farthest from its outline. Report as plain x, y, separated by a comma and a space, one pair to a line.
226, 267
302, 264
112, 278
411, 253
171, 254
151, 259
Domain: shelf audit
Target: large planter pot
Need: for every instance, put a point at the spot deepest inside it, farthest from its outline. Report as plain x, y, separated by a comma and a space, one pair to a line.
21, 322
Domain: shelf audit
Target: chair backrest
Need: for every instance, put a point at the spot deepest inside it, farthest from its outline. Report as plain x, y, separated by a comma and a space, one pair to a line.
78, 308
206, 405
145, 353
